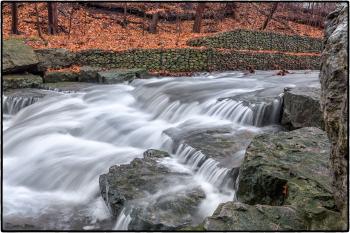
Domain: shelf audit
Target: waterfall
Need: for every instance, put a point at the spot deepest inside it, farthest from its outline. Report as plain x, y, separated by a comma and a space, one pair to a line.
13, 104
123, 221
205, 167
55, 150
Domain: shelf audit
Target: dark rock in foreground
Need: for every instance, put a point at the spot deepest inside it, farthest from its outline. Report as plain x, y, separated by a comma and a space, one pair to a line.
284, 184
13, 81
18, 57
302, 108
291, 168
334, 79
147, 189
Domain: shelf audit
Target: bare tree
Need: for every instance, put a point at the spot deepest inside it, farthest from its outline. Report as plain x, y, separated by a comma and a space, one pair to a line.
198, 18
269, 17
52, 18
14, 14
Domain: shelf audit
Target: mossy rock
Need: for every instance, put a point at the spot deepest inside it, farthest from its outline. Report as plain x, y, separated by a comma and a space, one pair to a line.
13, 81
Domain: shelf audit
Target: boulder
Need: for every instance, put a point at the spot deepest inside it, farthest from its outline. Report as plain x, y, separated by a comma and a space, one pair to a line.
54, 58
18, 57
13, 81
147, 189
66, 76
301, 108
334, 100
236, 216
120, 75
291, 168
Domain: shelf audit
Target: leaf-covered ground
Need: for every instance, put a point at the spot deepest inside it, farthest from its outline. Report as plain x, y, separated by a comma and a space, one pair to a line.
96, 28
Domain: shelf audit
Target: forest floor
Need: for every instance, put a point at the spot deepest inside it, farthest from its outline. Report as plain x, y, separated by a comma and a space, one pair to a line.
93, 28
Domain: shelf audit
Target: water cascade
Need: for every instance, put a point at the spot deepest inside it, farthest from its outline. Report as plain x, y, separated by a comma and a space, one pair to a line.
56, 148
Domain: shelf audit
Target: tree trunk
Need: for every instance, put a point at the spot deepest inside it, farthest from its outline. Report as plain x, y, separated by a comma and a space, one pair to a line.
230, 9
14, 25
154, 22
125, 20
38, 22
198, 18
52, 17
269, 17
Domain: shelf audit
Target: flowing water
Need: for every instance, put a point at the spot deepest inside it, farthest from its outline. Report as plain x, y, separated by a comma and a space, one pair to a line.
56, 148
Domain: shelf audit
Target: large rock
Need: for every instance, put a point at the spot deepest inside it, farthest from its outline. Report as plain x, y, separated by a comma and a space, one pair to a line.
13, 81
291, 168
147, 190
54, 58
334, 100
18, 57
301, 108
236, 216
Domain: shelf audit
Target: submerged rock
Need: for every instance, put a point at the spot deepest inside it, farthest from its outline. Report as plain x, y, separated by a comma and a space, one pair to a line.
291, 168
156, 197
13, 81
334, 79
301, 108
18, 57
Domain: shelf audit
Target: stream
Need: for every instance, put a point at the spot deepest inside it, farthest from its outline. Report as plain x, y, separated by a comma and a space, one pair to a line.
55, 148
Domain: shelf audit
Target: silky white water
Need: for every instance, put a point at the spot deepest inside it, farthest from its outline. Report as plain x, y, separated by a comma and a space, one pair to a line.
56, 148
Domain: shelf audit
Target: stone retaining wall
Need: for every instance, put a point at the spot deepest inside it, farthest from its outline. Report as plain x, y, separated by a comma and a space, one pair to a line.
177, 60
258, 40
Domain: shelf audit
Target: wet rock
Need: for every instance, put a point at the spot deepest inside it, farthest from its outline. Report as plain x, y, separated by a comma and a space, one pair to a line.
55, 58
156, 197
236, 216
119, 76
13, 81
301, 108
168, 212
291, 168
53, 77
334, 100
18, 57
